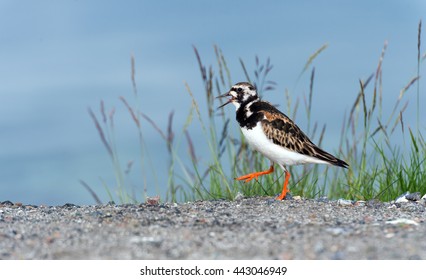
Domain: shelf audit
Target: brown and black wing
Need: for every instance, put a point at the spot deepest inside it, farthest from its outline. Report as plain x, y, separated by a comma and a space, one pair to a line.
284, 132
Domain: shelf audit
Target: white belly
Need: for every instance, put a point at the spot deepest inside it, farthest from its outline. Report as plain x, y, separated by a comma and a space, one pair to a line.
282, 156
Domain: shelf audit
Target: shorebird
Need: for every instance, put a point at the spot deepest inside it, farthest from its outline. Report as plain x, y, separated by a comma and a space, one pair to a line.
273, 134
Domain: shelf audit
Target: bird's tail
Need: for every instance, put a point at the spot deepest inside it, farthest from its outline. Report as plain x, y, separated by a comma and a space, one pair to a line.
323, 155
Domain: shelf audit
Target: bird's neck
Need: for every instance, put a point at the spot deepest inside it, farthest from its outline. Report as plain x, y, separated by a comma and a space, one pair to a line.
245, 116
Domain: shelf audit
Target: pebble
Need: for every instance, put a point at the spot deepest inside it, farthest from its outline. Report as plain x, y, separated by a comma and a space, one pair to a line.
423, 200
413, 196
402, 221
344, 202
288, 196
402, 198
323, 199
389, 235
360, 203
7, 203
70, 205
239, 196
336, 231
153, 200
374, 203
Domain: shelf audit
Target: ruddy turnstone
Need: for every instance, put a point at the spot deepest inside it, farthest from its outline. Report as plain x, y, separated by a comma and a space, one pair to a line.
273, 134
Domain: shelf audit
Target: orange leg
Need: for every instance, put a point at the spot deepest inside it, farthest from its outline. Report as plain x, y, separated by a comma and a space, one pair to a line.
285, 190
254, 175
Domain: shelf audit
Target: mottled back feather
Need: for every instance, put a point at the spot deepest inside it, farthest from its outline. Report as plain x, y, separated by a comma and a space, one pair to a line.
282, 131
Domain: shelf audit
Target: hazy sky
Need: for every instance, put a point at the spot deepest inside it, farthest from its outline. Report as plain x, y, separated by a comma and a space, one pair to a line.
59, 57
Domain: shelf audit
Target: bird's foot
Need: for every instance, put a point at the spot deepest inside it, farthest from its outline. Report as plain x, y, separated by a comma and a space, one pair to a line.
285, 192
249, 177
255, 175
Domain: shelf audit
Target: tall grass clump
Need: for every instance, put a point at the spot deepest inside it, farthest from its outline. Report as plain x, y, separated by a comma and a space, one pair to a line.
122, 189
381, 168
386, 155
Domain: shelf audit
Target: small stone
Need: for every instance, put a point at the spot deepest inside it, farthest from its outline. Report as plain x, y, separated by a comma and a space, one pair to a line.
107, 215
413, 196
7, 203
336, 231
323, 199
297, 197
239, 196
402, 222
389, 235
153, 200
360, 203
402, 198
272, 201
69, 205
423, 200
288, 196
374, 203
344, 202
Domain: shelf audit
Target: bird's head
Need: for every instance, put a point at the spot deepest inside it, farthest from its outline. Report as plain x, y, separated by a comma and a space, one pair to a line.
240, 93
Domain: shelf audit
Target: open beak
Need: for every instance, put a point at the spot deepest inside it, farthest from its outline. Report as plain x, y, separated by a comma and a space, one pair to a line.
225, 95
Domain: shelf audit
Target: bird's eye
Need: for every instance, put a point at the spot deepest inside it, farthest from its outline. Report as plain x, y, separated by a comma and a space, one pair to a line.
239, 89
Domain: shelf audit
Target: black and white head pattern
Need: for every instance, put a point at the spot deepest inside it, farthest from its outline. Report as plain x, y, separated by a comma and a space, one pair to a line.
243, 93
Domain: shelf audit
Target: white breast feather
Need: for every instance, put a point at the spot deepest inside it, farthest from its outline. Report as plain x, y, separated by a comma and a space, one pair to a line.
257, 140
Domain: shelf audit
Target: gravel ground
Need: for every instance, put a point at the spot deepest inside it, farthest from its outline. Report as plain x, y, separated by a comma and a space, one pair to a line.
248, 228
